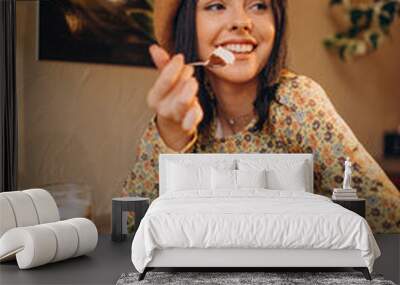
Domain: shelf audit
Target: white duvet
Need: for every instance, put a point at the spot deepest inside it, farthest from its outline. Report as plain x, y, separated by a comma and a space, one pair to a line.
251, 218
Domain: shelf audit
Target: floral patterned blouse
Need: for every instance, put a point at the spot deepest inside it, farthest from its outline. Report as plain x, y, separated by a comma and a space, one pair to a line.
302, 120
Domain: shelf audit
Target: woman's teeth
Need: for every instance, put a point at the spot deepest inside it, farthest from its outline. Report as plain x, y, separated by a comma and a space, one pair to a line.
239, 48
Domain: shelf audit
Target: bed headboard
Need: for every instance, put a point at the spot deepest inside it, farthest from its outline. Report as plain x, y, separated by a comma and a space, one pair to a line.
212, 158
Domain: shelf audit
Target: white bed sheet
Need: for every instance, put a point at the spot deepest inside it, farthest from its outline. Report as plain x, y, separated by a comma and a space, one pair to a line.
250, 218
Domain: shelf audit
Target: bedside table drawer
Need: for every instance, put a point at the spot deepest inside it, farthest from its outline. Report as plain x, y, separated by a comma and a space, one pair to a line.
357, 206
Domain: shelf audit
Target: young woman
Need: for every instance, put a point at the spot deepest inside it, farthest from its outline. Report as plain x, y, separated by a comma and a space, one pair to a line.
253, 105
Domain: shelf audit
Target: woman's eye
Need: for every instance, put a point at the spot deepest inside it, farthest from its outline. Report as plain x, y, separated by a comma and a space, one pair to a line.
260, 6
215, 7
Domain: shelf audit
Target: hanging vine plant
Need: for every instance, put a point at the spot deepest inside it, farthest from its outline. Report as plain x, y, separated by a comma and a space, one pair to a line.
363, 26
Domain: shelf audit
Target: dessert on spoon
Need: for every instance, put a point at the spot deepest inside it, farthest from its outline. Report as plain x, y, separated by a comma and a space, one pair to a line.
219, 58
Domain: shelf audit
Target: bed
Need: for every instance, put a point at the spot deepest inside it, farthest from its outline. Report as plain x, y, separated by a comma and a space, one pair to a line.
247, 211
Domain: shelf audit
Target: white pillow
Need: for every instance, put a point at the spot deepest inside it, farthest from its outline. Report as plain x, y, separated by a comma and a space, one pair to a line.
181, 177
186, 161
223, 179
292, 179
251, 178
281, 174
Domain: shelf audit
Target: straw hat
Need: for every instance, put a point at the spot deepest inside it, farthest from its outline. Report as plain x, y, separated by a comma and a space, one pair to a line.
164, 17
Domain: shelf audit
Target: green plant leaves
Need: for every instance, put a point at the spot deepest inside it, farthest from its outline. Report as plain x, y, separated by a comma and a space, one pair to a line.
374, 37
369, 25
335, 2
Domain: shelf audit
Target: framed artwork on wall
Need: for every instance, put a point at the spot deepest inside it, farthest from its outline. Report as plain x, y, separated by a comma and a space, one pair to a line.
96, 31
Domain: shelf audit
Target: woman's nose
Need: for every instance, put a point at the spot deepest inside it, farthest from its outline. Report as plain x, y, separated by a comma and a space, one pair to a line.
241, 26
241, 21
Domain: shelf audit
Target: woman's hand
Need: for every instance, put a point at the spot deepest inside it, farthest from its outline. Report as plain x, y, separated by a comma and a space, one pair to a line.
173, 98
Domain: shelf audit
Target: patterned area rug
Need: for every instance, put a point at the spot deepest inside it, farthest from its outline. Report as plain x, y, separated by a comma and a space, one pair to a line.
242, 278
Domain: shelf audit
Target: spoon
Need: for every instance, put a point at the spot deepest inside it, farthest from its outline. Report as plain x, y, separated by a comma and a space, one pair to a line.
219, 58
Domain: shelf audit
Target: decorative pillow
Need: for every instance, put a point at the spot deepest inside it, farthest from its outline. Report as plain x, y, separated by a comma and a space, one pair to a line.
223, 179
251, 178
280, 174
181, 178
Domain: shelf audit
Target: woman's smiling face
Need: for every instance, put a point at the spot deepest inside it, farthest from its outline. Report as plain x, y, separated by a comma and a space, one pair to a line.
245, 27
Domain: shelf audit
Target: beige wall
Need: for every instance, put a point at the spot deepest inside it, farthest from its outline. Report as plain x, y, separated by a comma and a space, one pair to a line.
81, 123
365, 92
78, 122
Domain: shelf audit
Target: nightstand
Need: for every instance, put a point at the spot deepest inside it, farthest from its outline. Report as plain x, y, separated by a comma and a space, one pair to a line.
120, 208
356, 205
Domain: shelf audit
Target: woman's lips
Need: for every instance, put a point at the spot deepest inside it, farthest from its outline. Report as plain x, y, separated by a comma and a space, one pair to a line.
242, 56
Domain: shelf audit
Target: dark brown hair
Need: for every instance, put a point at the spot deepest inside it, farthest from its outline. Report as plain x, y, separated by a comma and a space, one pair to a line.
186, 43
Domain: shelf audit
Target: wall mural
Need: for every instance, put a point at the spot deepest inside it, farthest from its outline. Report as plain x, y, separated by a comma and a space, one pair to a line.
363, 25
96, 31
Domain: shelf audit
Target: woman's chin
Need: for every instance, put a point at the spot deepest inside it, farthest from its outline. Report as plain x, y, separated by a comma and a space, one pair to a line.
236, 73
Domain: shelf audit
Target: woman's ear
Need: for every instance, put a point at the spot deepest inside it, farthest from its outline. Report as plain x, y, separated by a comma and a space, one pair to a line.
159, 56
